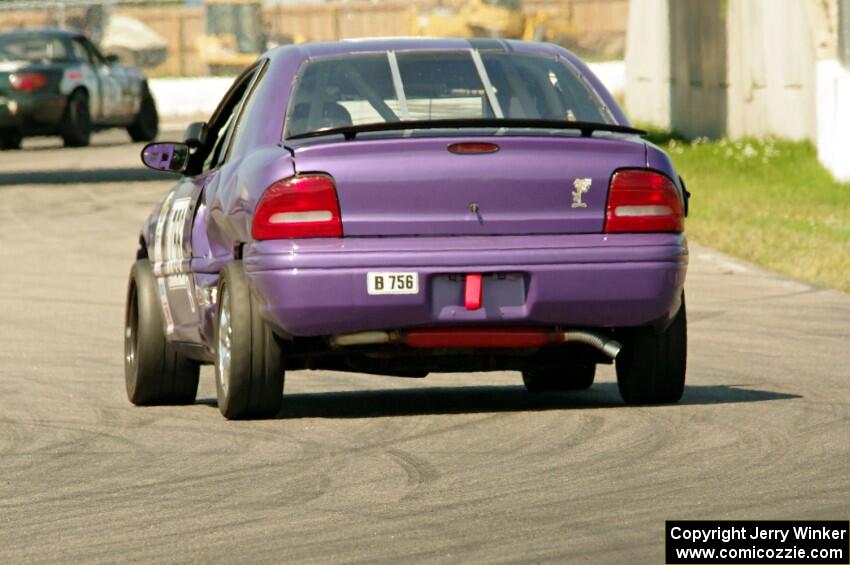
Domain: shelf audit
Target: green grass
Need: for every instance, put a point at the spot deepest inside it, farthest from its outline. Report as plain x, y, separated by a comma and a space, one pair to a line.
767, 201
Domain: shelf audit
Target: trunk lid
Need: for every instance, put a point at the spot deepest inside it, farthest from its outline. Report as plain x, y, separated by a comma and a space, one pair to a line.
415, 186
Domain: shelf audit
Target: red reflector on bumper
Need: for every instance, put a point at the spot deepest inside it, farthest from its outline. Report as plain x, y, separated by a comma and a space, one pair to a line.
498, 338
472, 294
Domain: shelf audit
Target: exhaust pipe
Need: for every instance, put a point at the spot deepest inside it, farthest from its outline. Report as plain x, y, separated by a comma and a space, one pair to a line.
360, 338
608, 346
492, 337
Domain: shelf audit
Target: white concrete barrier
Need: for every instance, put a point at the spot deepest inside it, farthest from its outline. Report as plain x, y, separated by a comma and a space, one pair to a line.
723, 68
193, 98
188, 98
648, 74
612, 74
833, 118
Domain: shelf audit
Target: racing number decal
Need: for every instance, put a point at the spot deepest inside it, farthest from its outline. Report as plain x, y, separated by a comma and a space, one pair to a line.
177, 278
157, 262
169, 255
157, 236
173, 241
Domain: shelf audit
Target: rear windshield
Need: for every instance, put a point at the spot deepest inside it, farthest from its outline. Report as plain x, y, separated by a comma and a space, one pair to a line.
421, 86
31, 48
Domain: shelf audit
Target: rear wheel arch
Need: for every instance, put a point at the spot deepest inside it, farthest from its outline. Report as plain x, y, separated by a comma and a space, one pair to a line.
77, 123
80, 88
145, 124
142, 251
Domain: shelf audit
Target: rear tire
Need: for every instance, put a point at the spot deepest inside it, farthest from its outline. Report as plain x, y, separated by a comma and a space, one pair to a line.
145, 126
249, 362
651, 367
154, 372
10, 139
575, 376
76, 125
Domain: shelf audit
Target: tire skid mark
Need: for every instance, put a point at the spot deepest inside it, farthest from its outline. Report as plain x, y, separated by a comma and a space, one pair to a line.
418, 470
82, 437
292, 488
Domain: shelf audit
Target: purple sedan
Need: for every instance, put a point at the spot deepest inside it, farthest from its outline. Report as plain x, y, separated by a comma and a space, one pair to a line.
403, 206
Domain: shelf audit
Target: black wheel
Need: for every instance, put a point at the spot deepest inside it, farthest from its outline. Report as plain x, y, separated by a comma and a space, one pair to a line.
146, 125
575, 376
154, 372
76, 125
651, 367
249, 365
10, 139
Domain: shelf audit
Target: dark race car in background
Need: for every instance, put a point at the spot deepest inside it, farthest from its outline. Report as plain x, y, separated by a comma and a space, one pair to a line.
55, 82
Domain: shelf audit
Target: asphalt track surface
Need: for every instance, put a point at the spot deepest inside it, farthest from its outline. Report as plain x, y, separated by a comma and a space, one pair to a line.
357, 468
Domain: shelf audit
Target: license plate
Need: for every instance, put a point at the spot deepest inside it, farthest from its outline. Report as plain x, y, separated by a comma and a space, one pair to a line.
393, 283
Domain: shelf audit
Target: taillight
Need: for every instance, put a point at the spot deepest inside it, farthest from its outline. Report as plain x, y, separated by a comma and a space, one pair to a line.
28, 81
642, 201
300, 206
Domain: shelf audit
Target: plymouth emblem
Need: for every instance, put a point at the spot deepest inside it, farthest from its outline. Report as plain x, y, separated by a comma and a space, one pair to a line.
580, 186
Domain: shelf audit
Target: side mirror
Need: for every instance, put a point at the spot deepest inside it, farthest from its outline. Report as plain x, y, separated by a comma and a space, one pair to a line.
196, 134
112, 58
169, 157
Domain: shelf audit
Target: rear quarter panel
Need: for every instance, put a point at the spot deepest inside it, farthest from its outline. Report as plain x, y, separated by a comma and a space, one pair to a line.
234, 197
257, 157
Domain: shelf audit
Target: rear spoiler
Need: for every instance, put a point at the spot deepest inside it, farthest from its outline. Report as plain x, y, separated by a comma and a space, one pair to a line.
586, 128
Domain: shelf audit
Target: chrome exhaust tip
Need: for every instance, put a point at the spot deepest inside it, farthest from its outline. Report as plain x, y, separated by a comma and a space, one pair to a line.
360, 338
602, 342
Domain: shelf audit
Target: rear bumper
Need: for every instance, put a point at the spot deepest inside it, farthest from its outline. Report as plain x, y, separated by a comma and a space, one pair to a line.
32, 112
318, 287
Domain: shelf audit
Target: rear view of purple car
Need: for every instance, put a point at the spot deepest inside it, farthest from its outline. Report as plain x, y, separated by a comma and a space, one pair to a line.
406, 206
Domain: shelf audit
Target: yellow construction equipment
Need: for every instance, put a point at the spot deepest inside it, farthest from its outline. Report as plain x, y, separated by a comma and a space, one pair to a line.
473, 18
234, 34
489, 18
551, 26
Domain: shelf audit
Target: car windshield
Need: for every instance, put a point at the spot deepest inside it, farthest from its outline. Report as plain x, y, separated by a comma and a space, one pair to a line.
32, 48
375, 88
